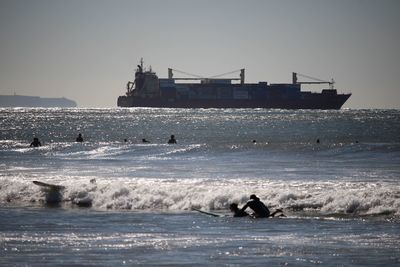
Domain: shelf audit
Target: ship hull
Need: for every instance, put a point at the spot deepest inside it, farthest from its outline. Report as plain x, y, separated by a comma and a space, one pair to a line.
316, 101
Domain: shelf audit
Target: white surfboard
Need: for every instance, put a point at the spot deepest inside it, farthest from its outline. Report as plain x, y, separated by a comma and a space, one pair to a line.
49, 186
209, 213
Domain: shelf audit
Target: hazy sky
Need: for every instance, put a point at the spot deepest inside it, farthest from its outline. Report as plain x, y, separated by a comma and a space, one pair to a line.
87, 50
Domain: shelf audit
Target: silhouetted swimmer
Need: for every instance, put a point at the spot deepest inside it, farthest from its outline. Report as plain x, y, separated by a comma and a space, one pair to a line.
236, 211
317, 141
145, 141
254, 141
35, 142
125, 140
79, 138
172, 140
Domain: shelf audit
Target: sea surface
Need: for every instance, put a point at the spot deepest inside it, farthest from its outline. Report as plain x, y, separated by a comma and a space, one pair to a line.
127, 203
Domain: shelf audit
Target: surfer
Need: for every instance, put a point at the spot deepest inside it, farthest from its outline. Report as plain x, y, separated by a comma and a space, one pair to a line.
145, 141
54, 194
79, 138
236, 211
35, 142
259, 208
172, 140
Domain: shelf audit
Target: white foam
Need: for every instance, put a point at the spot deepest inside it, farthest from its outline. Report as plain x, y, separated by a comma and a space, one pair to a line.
185, 194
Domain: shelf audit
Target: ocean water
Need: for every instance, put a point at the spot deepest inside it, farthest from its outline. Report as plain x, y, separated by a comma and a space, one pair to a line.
131, 203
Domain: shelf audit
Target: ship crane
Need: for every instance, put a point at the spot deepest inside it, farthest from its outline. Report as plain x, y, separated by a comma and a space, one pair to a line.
198, 77
316, 80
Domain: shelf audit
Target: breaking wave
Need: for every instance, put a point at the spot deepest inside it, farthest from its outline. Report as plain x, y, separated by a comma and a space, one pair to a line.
296, 198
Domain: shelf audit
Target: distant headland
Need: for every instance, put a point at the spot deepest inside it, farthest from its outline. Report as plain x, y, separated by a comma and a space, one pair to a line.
35, 101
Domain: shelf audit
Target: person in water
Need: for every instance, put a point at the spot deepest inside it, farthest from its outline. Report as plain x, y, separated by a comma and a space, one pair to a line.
79, 138
236, 211
259, 208
145, 141
35, 142
172, 140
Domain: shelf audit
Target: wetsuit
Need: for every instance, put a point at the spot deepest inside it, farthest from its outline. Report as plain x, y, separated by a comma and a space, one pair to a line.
260, 210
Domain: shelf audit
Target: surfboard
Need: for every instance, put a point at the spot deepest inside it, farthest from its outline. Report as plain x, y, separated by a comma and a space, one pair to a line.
209, 213
49, 186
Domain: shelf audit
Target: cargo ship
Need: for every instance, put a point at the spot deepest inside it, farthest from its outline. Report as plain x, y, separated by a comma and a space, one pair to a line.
147, 90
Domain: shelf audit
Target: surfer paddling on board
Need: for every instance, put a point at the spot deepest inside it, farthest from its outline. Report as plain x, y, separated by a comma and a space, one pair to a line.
258, 207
